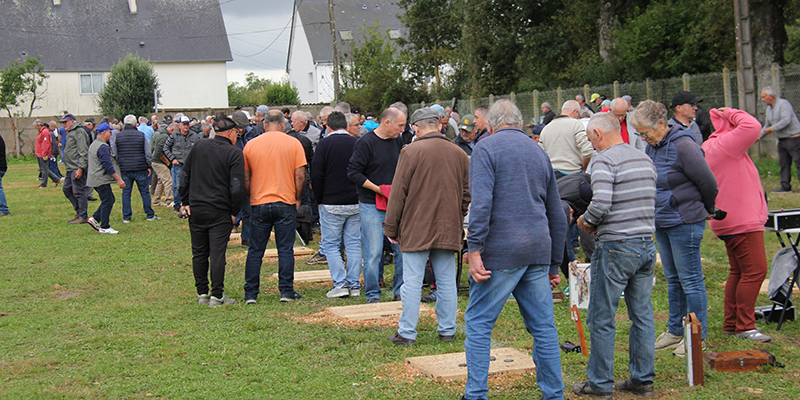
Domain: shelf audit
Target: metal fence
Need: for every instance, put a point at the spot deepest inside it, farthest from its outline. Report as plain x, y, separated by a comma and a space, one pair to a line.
717, 89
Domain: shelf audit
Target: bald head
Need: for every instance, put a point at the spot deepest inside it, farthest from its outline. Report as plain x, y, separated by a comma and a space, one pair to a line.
571, 108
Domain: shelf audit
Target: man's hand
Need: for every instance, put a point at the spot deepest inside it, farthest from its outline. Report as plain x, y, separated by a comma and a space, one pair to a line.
149, 171
187, 209
393, 241
78, 173
584, 227
555, 280
121, 184
476, 270
297, 205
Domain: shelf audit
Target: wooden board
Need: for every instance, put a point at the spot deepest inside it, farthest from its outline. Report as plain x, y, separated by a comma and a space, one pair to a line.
298, 251
362, 312
453, 365
322, 275
765, 288
737, 361
238, 236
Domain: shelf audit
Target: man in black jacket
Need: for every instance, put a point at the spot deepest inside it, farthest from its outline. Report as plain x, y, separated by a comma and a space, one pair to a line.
212, 190
133, 155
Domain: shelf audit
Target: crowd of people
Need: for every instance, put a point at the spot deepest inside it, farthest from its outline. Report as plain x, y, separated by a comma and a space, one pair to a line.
615, 179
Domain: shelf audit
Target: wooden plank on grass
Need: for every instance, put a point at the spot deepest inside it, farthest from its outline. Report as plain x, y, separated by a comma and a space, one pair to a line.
237, 236
298, 251
362, 312
454, 365
322, 275
765, 288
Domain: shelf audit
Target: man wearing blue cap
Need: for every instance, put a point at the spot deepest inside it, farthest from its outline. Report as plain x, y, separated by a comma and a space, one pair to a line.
101, 173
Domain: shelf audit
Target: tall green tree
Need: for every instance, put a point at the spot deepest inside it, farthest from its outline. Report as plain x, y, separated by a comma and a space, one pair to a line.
434, 32
129, 88
373, 73
19, 83
258, 91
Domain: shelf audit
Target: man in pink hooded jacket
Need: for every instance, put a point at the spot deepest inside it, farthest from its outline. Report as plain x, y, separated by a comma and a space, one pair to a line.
742, 197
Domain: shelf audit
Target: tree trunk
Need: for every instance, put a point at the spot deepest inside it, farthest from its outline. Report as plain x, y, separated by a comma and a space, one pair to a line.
769, 34
606, 25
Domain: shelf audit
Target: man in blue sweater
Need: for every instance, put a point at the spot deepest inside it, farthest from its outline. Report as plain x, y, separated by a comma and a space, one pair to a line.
517, 231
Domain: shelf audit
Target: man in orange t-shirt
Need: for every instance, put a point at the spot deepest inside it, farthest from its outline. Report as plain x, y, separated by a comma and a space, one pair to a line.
274, 175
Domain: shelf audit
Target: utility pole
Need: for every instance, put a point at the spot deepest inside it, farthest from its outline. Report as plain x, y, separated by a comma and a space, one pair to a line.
336, 92
744, 57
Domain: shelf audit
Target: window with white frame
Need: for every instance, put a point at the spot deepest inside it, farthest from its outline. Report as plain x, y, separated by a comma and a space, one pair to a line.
91, 83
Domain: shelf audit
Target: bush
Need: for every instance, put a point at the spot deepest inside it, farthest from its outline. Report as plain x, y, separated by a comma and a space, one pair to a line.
129, 88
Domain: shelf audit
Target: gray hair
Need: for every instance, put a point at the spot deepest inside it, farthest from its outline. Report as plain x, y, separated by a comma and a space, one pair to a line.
585, 113
570, 106
400, 106
504, 112
143, 120
172, 126
482, 110
648, 113
769, 91
342, 107
274, 117
301, 115
604, 122
129, 119
205, 125
309, 116
349, 118
580, 97
547, 105
325, 111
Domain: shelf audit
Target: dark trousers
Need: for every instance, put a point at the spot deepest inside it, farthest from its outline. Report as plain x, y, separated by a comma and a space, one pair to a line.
54, 167
45, 172
263, 217
748, 261
210, 232
75, 191
788, 151
107, 199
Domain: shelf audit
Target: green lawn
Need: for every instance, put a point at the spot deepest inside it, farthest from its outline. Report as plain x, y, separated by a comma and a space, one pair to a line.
115, 316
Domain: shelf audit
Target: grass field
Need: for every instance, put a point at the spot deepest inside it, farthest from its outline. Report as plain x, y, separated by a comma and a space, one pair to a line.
115, 316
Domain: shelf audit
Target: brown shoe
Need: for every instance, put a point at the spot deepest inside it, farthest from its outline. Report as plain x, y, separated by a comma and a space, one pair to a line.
73, 219
79, 220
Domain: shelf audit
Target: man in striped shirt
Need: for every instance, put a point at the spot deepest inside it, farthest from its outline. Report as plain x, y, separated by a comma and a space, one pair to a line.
622, 215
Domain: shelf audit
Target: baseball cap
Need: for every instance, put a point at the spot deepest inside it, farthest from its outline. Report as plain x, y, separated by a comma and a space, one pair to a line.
90, 120
438, 109
683, 97
262, 109
67, 117
594, 97
424, 113
103, 127
467, 123
240, 118
185, 120
223, 124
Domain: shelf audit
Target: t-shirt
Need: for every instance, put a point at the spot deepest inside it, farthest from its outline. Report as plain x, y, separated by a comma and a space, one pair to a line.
271, 160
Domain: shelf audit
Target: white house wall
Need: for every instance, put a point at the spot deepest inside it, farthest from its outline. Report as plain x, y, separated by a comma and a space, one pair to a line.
302, 73
325, 90
195, 85
62, 92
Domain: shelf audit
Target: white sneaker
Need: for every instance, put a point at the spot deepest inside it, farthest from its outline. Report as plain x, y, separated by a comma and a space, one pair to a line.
338, 292
109, 231
355, 291
668, 341
93, 222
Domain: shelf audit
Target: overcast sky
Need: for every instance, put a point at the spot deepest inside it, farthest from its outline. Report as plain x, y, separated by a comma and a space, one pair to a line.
258, 33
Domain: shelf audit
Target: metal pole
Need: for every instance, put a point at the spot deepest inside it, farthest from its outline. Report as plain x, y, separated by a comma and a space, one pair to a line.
336, 92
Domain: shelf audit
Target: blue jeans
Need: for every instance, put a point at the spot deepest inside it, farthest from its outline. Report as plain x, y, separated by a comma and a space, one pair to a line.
530, 285
175, 173
372, 247
333, 226
262, 218
679, 247
622, 266
143, 183
3, 204
444, 266
103, 212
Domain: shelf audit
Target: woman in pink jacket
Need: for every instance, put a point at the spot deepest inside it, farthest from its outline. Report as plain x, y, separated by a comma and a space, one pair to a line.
742, 196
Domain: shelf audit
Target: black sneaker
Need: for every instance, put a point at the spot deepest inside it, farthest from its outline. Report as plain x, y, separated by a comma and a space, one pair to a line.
290, 296
430, 297
782, 190
447, 338
585, 389
401, 341
245, 244
317, 259
644, 389
397, 298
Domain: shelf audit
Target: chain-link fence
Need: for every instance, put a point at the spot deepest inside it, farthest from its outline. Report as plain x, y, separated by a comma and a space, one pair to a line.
719, 89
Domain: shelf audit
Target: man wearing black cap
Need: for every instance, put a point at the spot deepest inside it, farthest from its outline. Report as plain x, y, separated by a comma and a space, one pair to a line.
76, 154
212, 189
684, 107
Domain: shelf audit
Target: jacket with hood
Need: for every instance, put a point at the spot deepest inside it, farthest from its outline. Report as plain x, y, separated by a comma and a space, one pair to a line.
740, 191
686, 189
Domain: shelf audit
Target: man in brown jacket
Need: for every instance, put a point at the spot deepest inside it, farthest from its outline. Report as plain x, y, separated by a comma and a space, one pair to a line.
427, 205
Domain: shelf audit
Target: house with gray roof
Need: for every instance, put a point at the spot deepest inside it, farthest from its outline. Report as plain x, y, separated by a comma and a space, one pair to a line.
78, 42
310, 60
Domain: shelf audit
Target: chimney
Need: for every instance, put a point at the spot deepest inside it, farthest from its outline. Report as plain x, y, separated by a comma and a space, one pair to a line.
132, 5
